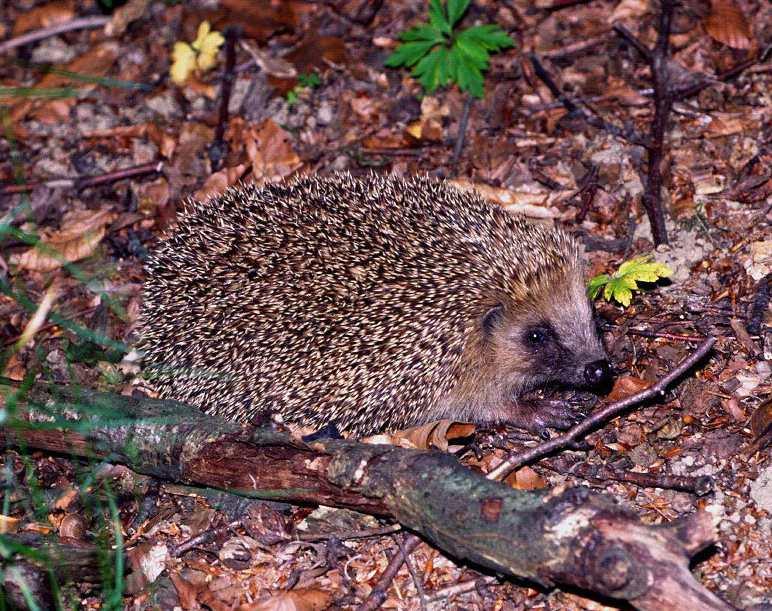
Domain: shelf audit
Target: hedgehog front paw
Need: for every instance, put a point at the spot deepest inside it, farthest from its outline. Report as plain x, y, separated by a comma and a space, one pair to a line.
540, 414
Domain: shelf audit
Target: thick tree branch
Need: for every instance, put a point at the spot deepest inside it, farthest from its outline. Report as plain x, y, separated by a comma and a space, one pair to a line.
570, 537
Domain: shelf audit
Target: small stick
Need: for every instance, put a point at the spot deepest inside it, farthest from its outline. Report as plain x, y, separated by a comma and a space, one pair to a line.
461, 588
602, 416
628, 134
219, 148
354, 534
82, 23
82, 182
461, 131
202, 538
601, 473
413, 573
378, 595
662, 335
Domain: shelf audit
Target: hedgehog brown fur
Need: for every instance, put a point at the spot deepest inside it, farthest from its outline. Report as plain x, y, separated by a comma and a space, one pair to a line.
376, 302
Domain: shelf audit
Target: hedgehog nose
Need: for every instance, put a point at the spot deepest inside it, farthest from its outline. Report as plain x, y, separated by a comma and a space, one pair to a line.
598, 373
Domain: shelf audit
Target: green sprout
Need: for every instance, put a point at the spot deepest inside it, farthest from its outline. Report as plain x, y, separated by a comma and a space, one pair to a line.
440, 55
305, 81
624, 281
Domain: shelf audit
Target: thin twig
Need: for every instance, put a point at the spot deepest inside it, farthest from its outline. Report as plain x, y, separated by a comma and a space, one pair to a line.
378, 594
602, 473
354, 534
82, 182
461, 588
663, 104
219, 148
625, 133
82, 23
417, 581
600, 417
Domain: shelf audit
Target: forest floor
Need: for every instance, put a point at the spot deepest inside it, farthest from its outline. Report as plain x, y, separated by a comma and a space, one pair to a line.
99, 148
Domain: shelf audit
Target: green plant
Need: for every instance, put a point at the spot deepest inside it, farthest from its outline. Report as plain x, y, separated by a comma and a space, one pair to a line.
305, 81
624, 281
440, 55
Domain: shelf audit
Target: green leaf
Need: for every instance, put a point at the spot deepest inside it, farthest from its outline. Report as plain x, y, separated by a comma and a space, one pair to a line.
428, 71
422, 32
470, 79
437, 17
456, 8
596, 284
471, 53
621, 285
491, 37
409, 53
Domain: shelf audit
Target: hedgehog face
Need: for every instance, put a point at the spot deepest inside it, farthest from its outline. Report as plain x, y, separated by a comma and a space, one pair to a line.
547, 339
551, 339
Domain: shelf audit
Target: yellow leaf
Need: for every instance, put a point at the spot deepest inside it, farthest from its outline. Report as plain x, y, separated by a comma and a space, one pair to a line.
183, 62
201, 53
207, 44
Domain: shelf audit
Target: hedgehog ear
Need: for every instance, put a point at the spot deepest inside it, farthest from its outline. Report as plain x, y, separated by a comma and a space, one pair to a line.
492, 318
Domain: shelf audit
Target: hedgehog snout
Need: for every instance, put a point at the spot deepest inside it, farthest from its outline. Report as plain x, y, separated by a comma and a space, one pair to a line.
598, 374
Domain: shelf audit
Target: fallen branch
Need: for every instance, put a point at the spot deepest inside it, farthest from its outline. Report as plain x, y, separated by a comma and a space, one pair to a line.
601, 416
82, 23
81, 182
575, 536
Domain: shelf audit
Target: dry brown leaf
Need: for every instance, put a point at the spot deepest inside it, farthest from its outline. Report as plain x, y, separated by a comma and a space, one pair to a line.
761, 420
218, 182
44, 16
124, 15
524, 201
525, 478
300, 599
269, 148
269, 63
8, 524
79, 236
727, 24
94, 62
626, 386
430, 435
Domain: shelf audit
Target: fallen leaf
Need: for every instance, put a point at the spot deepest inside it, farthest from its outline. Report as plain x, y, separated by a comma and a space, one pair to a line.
727, 24
218, 182
78, 238
430, 435
45, 16
269, 148
761, 420
525, 478
626, 386
525, 201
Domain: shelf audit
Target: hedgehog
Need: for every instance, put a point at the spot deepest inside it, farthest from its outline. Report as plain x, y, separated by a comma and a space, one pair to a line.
368, 303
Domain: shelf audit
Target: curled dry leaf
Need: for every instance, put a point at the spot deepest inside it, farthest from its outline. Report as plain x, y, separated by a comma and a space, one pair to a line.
269, 148
527, 202
626, 386
430, 435
761, 422
79, 236
727, 24
525, 478
218, 182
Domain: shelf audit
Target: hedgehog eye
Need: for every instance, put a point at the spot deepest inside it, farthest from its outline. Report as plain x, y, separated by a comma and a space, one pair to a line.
538, 335
492, 317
